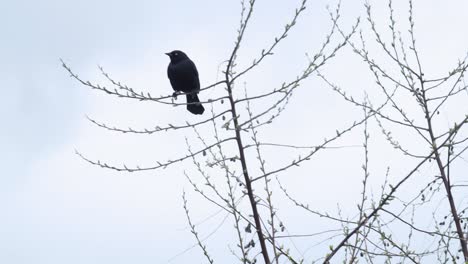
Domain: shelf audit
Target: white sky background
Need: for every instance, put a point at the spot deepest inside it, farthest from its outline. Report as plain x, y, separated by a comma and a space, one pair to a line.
58, 209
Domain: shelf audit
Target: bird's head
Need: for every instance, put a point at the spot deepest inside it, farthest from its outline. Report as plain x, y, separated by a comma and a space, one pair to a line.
177, 56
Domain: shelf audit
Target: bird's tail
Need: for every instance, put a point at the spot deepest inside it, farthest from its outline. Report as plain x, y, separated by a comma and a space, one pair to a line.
194, 106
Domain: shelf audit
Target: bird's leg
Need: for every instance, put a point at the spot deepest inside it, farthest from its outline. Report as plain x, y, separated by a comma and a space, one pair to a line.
174, 95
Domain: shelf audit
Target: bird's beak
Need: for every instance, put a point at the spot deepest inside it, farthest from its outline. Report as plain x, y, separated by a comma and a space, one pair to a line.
168, 54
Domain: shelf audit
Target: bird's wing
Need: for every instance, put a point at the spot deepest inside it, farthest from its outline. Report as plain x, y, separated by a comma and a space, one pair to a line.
196, 79
172, 77
192, 65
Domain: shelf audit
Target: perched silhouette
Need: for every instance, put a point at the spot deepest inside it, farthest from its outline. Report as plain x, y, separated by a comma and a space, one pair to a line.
184, 78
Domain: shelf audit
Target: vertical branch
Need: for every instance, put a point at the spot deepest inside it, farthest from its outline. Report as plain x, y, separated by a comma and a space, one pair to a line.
192, 228
237, 128
267, 185
365, 168
228, 174
443, 175
248, 181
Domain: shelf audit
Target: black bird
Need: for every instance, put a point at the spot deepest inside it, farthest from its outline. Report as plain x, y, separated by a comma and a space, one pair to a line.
183, 75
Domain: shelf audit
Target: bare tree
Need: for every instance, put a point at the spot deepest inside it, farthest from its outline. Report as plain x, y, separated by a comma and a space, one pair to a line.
402, 76
236, 150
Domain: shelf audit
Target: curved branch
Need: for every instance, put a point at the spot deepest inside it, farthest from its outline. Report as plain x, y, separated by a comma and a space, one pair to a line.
277, 40
156, 128
160, 165
310, 154
132, 94
313, 65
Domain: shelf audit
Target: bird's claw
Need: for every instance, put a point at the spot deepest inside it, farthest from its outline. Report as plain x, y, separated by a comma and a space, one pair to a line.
174, 95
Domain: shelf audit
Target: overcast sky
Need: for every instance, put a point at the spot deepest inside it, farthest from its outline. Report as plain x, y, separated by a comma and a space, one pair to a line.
58, 209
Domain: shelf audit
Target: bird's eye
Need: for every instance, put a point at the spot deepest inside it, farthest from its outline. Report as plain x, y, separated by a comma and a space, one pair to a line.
175, 54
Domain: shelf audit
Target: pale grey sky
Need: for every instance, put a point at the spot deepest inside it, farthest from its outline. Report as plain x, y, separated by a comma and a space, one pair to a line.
58, 209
